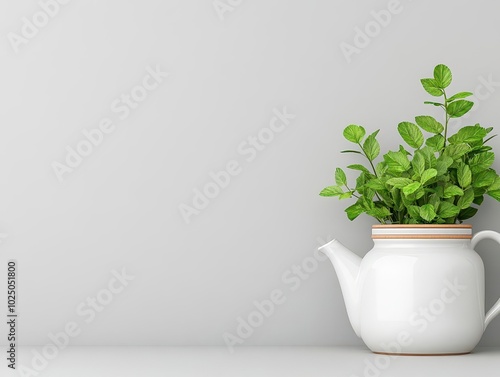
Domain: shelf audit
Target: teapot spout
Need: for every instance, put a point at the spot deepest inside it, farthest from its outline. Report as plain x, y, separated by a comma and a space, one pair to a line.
347, 266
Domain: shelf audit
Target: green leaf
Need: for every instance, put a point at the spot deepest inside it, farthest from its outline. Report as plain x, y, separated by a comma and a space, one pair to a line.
495, 185
495, 194
384, 194
358, 167
379, 212
447, 210
439, 191
458, 108
371, 147
411, 134
369, 193
411, 188
414, 212
484, 179
419, 193
367, 202
354, 133
429, 124
331, 191
464, 176
433, 103
479, 190
345, 195
459, 95
397, 162
428, 175
478, 200
481, 148
468, 134
350, 151
488, 139
418, 163
408, 200
434, 200
442, 75
436, 142
427, 212
452, 190
340, 178
443, 163
396, 196
381, 168
354, 211
403, 150
467, 213
429, 157
399, 182
431, 87
481, 161
455, 151
360, 181
466, 200
375, 184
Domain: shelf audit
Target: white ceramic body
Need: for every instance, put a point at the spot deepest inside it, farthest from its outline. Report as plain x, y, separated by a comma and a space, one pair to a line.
422, 296
416, 296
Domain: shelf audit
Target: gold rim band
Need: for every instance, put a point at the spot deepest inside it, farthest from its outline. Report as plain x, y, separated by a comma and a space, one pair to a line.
423, 236
417, 226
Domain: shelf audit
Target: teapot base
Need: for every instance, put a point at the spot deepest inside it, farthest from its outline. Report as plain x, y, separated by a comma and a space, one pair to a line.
421, 354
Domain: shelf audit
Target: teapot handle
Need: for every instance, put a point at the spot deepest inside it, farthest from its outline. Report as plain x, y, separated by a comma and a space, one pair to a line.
488, 234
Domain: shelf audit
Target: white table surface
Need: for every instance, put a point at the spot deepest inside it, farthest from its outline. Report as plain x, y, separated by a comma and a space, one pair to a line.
255, 361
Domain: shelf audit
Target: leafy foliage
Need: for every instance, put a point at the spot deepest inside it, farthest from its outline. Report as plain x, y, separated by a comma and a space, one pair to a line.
439, 182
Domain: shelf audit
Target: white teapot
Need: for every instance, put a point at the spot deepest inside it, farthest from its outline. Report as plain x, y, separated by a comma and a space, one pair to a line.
419, 291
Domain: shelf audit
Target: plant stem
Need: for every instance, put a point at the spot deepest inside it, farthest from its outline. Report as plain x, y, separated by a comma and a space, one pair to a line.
373, 168
370, 161
447, 118
352, 191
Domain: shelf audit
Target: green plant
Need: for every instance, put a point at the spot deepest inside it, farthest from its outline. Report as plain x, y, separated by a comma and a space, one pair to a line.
438, 182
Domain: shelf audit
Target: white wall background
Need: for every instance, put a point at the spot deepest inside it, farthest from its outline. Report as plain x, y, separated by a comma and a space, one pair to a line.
119, 207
